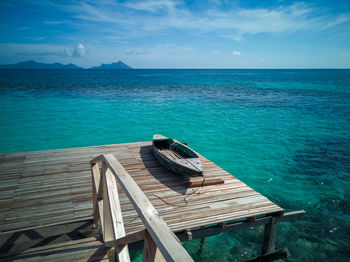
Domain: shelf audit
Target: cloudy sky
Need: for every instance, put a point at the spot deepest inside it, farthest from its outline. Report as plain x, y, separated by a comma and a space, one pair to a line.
178, 34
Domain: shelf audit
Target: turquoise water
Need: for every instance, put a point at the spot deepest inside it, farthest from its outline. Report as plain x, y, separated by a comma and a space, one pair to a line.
283, 132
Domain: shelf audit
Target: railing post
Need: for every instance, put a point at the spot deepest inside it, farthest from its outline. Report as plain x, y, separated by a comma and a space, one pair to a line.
150, 250
108, 234
94, 196
161, 244
96, 192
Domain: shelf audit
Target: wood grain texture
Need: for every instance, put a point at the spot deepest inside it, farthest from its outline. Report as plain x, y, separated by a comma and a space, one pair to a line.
51, 187
88, 249
116, 220
161, 234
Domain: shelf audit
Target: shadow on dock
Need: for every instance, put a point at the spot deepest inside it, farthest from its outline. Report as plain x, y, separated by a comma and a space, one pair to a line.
172, 181
20, 241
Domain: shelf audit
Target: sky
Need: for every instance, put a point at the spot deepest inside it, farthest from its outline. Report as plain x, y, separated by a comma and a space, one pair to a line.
178, 33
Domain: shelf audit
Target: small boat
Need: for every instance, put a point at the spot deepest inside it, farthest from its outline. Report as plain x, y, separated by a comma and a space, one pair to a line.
176, 157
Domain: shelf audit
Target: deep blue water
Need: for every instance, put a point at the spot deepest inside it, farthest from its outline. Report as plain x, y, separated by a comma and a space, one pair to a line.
283, 132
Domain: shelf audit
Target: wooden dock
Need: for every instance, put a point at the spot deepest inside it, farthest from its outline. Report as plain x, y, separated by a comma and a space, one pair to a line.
46, 202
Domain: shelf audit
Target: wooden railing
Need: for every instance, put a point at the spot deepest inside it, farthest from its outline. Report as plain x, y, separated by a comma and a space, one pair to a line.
160, 243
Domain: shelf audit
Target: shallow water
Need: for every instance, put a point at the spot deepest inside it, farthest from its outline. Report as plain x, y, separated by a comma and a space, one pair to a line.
283, 132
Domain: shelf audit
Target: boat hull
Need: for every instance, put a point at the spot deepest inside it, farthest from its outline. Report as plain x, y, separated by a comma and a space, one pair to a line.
180, 166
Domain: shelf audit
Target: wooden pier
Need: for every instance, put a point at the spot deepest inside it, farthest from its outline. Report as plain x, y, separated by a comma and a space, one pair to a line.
47, 210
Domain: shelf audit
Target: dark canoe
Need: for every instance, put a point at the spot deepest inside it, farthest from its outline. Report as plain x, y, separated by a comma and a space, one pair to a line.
176, 156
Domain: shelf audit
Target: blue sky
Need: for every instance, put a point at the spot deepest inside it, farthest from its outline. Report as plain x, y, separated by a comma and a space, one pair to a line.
178, 34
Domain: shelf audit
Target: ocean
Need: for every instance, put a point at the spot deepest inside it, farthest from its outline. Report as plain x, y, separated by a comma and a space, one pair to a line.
285, 133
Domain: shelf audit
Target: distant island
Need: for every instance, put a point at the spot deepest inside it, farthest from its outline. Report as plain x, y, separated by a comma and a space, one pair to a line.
31, 64
118, 65
35, 65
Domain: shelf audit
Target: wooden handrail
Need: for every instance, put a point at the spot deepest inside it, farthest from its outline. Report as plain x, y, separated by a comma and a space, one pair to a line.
157, 230
107, 209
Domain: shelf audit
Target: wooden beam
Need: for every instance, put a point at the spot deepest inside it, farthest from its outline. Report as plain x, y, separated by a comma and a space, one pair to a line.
164, 238
100, 185
151, 252
107, 233
96, 179
128, 239
114, 226
105, 187
219, 228
96, 160
99, 195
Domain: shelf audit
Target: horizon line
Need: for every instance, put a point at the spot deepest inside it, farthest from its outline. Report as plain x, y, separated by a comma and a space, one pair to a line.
164, 68
185, 68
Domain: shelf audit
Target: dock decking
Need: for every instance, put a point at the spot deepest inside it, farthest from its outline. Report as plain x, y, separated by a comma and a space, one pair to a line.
49, 188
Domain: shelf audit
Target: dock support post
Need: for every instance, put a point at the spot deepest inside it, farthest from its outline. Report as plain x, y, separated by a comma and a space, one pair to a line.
269, 237
202, 243
201, 246
151, 252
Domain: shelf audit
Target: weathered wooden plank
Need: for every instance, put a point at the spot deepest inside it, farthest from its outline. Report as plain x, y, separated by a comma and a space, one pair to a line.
34, 181
239, 225
151, 252
114, 227
97, 203
127, 239
164, 238
49, 221
78, 250
193, 219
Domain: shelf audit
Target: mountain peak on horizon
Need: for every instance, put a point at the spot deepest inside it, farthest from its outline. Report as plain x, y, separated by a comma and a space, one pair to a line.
32, 64
113, 65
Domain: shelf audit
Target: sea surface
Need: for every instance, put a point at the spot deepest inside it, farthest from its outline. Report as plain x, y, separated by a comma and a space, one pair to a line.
286, 133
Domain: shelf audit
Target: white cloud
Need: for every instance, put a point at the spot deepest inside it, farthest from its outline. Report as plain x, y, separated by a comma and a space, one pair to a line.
151, 16
237, 37
135, 51
38, 51
19, 52
79, 51
216, 52
236, 53
151, 5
